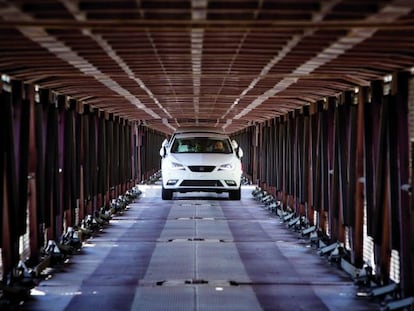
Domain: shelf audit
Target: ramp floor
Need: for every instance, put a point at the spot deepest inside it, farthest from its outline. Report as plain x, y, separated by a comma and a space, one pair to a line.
197, 252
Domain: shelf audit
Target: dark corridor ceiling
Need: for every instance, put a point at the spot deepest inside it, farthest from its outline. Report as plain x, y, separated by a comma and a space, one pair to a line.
218, 63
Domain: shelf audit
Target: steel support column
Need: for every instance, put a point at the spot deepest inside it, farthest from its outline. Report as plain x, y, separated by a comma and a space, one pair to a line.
401, 222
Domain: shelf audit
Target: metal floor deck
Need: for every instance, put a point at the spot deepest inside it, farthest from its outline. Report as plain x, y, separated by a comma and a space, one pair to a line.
197, 252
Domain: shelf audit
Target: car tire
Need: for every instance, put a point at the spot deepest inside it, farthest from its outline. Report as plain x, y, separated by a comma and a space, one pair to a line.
235, 194
166, 194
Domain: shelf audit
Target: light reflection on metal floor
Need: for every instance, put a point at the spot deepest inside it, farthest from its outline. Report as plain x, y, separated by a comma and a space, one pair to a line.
197, 252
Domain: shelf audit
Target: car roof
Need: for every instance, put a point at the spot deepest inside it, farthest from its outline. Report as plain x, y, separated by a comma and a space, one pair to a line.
199, 129
201, 134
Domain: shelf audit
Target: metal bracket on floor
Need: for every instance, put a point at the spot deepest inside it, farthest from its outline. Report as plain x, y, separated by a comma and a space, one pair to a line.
308, 231
288, 217
349, 268
328, 249
365, 278
314, 238
42, 265
390, 289
256, 191
271, 206
399, 304
259, 194
293, 221
267, 199
337, 254
384, 290
276, 208
301, 224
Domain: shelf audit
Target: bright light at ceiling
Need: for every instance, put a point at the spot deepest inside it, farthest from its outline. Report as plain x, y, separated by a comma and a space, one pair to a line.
388, 78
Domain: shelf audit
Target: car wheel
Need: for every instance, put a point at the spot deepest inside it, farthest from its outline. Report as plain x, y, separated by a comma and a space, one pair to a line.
167, 194
235, 194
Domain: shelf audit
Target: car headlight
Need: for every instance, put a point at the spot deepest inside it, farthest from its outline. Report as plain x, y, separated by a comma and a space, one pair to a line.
177, 166
226, 167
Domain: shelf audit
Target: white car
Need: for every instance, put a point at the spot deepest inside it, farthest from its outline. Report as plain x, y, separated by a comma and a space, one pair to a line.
200, 160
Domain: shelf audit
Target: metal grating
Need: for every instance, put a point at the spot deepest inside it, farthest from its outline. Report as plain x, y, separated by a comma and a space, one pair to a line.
201, 183
226, 64
201, 168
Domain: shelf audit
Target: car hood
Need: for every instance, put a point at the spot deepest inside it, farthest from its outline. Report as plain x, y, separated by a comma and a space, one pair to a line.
202, 158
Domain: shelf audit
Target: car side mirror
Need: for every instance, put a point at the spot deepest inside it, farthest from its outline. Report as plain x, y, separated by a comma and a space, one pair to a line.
234, 144
163, 150
239, 152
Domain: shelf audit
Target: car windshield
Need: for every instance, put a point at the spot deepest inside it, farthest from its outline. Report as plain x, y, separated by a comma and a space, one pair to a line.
200, 145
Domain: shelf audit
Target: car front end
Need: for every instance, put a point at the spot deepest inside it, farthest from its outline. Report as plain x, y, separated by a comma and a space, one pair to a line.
192, 162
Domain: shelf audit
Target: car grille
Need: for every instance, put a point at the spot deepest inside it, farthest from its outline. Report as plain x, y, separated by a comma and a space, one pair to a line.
201, 183
201, 168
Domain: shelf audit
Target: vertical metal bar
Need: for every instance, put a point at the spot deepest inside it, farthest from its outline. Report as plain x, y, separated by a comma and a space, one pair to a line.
92, 151
22, 121
343, 115
102, 189
121, 151
299, 157
140, 156
371, 120
313, 160
2, 164
306, 154
317, 182
358, 232
124, 160
51, 169
32, 168
85, 160
68, 168
144, 152
78, 129
410, 251
109, 152
402, 222
135, 144
381, 212
272, 154
129, 153
56, 150
335, 207
73, 160
249, 146
351, 160
278, 170
352, 173
282, 146
381, 175
393, 167
40, 161
265, 155
254, 155
324, 158
61, 149
10, 236
289, 155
